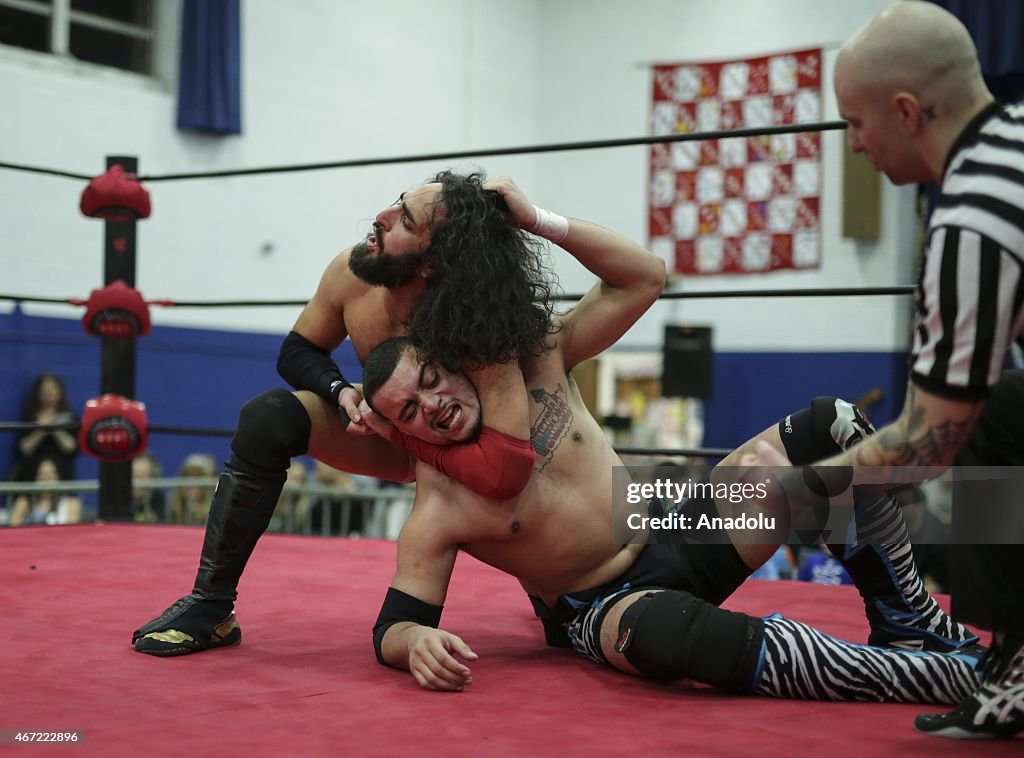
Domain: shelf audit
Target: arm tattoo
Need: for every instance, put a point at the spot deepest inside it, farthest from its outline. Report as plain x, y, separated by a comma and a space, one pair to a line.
917, 442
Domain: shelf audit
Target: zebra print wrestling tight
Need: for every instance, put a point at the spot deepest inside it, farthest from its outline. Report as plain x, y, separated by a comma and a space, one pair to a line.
801, 662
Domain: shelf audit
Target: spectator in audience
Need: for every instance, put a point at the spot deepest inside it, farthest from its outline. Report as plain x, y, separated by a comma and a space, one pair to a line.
818, 566
46, 506
148, 504
191, 505
779, 566
47, 404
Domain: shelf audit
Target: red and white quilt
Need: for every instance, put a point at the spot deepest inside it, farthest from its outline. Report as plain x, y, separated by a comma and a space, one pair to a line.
737, 205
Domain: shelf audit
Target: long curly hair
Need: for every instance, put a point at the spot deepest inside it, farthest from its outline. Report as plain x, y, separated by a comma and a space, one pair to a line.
489, 289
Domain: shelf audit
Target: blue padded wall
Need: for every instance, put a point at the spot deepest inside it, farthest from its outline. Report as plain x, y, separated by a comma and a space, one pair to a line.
193, 378
200, 378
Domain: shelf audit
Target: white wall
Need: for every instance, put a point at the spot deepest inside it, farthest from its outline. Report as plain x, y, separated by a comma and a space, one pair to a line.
597, 56
339, 79
323, 80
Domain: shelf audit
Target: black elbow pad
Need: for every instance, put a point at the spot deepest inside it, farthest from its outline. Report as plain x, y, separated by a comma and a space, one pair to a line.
306, 366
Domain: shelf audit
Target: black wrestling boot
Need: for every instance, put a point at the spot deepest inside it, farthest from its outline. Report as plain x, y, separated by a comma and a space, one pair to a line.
900, 610
240, 513
273, 428
996, 709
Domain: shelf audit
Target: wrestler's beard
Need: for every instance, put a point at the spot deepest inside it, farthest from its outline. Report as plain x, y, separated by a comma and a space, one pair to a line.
384, 269
469, 433
475, 431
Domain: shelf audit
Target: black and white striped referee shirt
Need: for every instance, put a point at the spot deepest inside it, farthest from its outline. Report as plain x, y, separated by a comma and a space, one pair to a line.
970, 294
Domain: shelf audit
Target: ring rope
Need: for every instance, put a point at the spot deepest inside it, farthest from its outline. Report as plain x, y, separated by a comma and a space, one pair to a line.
457, 155
180, 482
902, 289
224, 303
32, 299
43, 170
31, 426
485, 153
694, 452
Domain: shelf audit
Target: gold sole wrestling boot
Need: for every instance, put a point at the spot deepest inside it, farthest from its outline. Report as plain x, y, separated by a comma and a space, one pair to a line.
272, 429
179, 632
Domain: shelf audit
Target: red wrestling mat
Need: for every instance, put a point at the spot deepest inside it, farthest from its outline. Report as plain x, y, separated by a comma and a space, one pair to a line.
305, 682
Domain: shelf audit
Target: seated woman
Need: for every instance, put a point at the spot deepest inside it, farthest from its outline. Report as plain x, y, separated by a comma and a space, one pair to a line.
46, 506
47, 403
191, 505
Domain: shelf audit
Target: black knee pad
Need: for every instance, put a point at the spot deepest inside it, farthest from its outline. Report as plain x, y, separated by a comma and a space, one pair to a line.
272, 429
675, 635
829, 426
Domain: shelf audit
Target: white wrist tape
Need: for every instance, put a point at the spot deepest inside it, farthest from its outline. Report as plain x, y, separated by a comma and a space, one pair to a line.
550, 225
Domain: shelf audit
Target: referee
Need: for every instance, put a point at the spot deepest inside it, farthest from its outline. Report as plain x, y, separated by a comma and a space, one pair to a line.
910, 86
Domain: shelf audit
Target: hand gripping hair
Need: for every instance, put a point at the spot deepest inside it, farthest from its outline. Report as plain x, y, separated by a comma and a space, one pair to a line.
488, 295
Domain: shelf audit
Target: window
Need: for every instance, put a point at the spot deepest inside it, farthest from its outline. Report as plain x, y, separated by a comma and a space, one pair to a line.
26, 23
117, 33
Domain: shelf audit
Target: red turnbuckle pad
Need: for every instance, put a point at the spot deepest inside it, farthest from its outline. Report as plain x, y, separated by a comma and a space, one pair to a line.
117, 311
114, 428
115, 196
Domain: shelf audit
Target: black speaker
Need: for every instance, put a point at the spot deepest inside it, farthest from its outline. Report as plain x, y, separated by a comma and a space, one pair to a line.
687, 361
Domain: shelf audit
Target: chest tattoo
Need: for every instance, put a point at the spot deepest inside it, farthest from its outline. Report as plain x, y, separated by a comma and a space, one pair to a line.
552, 424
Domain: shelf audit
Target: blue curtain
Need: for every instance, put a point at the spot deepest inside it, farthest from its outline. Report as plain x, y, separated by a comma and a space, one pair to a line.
997, 27
210, 86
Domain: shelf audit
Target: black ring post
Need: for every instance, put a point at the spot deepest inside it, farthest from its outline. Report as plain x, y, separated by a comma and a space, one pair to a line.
117, 373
